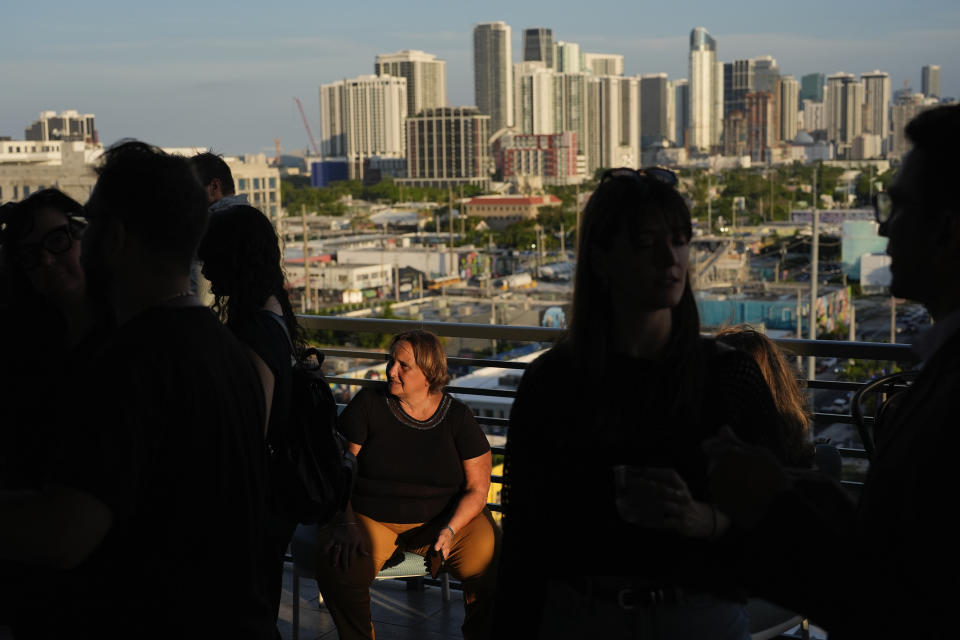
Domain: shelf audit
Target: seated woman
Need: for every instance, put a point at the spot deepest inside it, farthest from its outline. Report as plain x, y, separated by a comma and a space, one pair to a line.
609, 530
784, 383
423, 478
241, 258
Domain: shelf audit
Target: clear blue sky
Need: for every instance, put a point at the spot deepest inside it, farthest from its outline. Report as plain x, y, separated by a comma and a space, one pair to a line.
224, 74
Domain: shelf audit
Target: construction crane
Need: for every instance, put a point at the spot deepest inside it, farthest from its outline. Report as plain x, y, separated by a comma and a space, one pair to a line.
306, 125
276, 144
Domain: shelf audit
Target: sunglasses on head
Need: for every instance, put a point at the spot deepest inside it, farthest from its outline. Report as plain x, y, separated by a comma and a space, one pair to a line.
56, 241
659, 174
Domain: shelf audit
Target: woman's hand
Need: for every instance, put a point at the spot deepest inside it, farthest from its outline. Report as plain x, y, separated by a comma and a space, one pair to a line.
345, 543
681, 513
444, 542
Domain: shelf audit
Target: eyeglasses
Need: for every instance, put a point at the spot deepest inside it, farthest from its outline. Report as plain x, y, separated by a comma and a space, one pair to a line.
659, 174
883, 207
56, 241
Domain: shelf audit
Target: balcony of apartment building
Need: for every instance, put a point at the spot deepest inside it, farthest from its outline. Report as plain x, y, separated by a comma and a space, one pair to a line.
416, 607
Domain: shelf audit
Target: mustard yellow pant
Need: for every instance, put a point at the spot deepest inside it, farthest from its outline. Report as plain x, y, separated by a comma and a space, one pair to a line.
472, 561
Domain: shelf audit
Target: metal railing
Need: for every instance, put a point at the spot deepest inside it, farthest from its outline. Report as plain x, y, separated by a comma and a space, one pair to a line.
899, 353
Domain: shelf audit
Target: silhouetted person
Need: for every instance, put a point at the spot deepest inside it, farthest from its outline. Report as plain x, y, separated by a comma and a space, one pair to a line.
889, 567
241, 258
217, 180
609, 530
155, 503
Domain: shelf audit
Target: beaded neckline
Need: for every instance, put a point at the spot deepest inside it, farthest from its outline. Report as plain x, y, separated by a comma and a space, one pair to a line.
413, 423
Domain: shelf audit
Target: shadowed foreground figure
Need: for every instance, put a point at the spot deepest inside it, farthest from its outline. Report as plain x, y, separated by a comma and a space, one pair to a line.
153, 509
609, 530
900, 572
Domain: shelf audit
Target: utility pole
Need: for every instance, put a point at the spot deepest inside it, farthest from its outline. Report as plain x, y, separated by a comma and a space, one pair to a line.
493, 320
893, 320
799, 323
306, 260
563, 242
771, 196
576, 204
450, 215
814, 259
709, 207
463, 218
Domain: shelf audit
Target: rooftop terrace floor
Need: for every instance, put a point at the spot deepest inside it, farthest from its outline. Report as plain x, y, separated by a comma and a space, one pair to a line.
398, 613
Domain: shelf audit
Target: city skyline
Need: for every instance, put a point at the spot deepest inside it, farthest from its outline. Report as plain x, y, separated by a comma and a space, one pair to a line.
224, 76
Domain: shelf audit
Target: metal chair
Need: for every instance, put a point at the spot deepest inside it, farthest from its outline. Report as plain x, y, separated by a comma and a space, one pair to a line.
882, 390
303, 549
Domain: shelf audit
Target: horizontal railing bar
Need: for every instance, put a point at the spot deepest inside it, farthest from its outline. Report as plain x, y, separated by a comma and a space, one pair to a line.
832, 384
860, 454
847, 349
383, 356
473, 391
840, 418
447, 329
495, 478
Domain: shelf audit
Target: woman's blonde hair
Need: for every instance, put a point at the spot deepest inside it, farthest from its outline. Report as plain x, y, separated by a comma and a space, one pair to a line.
429, 355
785, 387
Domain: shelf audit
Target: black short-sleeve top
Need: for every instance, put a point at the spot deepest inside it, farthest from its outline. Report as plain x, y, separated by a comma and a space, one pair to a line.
409, 470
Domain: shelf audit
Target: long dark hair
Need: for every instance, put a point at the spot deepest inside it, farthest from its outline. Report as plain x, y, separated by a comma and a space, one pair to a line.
241, 256
617, 206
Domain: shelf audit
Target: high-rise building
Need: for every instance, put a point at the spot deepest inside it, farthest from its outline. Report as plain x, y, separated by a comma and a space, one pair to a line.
737, 83
538, 46
654, 109
448, 147
681, 110
426, 77
361, 118
535, 106
735, 133
493, 73
68, 126
844, 109
705, 113
811, 87
789, 89
568, 57
876, 103
905, 109
930, 80
761, 125
613, 122
603, 64
551, 157
814, 116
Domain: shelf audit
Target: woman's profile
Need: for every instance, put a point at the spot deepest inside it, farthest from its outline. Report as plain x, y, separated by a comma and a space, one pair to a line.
608, 526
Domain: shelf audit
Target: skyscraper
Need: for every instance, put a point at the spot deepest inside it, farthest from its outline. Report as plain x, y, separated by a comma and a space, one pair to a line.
68, 125
876, 103
844, 109
426, 77
930, 80
493, 73
704, 118
789, 89
760, 124
535, 106
603, 64
363, 117
737, 83
654, 109
448, 146
568, 57
811, 87
681, 110
538, 46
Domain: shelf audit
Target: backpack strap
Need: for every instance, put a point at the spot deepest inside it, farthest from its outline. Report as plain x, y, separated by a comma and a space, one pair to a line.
294, 357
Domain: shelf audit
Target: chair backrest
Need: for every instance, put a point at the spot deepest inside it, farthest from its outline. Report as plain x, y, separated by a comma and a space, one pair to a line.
867, 414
